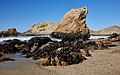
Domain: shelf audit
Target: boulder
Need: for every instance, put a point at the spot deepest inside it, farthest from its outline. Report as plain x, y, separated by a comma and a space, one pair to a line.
10, 46
9, 32
114, 37
74, 22
63, 53
33, 44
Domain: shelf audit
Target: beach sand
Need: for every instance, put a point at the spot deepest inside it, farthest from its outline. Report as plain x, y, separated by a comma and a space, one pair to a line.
102, 62
22, 68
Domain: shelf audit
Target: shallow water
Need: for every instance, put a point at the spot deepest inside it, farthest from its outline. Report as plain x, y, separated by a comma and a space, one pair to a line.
19, 57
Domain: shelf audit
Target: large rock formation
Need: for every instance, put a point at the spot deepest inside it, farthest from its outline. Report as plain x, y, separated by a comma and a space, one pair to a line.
109, 30
42, 28
74, 21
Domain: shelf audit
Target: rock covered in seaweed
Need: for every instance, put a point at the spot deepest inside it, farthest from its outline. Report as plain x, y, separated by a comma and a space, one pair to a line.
61, 53
10, 46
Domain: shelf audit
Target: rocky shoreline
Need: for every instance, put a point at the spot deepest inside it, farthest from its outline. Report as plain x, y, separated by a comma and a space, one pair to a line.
70, 50
40, 47
102, 62
46, 52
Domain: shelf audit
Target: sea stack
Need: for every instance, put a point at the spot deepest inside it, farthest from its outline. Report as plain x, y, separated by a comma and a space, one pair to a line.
73, 25
74, 22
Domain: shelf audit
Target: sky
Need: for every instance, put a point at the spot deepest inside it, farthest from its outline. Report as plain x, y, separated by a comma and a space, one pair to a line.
22, 14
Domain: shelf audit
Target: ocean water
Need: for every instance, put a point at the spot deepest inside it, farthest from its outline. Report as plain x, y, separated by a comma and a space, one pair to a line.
18, 58
22, 38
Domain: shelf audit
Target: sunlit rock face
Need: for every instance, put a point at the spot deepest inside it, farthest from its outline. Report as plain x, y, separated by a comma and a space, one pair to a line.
43, 28
74, 21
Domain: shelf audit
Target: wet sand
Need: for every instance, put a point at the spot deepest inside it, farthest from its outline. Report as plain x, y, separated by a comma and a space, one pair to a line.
102, 62
22, 68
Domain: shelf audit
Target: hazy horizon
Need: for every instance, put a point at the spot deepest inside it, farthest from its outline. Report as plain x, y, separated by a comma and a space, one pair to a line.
22, 14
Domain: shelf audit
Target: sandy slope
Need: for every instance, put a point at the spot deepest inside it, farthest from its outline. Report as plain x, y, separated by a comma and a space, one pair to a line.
102, 62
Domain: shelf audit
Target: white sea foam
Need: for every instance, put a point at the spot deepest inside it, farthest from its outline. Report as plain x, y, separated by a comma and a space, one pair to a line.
96, 37
22, 38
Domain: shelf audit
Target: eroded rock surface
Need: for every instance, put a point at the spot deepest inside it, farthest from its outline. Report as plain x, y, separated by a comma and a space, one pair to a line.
74, 21
43, 28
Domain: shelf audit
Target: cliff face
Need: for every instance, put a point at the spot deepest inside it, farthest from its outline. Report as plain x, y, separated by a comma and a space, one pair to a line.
74, 21
42, 28
109, 30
